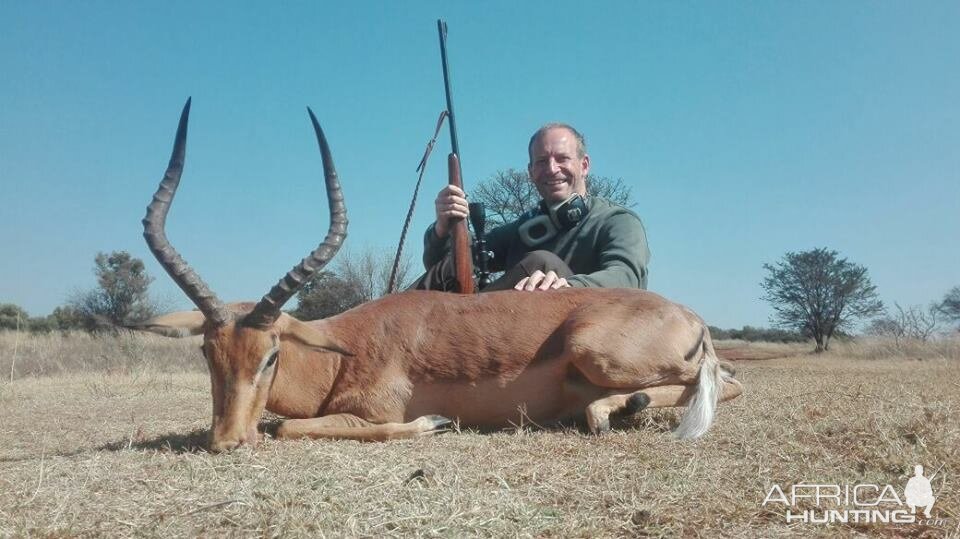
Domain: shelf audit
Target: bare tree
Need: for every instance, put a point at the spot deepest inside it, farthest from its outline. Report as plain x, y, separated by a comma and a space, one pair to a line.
886, 326
949, 306
613, 189
913, 323
819, 293
355, 279
369, 272
507, 194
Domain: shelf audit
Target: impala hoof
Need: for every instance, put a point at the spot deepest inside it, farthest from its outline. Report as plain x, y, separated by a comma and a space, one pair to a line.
599, 427
432, 424
438, 421
637, 402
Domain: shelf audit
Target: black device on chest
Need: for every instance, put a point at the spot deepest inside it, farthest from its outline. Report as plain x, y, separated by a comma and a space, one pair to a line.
553, 219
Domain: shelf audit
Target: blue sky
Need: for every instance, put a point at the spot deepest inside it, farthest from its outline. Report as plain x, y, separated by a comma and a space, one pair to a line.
745, 130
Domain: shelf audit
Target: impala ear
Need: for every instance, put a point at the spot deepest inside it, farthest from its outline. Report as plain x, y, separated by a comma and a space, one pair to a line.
181, 324
309, 335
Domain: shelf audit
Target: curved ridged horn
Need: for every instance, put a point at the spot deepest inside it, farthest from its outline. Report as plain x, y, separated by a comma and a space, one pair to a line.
268, 310
153, 231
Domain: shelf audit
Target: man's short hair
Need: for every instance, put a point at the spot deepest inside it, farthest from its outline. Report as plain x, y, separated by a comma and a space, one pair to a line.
581, 142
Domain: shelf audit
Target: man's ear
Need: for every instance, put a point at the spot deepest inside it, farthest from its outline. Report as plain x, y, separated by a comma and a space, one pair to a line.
309, 335
586, 165
180, 324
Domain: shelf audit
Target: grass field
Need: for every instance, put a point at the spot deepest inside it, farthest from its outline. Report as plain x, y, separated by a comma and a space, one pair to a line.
104, 436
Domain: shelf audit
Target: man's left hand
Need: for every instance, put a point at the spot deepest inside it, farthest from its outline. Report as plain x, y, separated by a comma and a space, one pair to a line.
542, 281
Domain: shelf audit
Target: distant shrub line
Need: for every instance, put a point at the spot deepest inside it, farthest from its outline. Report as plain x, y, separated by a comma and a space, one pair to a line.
752, 334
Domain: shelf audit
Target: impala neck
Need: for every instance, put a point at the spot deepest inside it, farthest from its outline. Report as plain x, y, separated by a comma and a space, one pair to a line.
303, 382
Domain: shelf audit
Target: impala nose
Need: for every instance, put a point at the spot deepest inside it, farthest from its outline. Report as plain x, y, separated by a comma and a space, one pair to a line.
220, 446
251, 438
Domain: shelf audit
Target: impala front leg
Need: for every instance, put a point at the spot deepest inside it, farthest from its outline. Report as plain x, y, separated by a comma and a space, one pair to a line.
351, 427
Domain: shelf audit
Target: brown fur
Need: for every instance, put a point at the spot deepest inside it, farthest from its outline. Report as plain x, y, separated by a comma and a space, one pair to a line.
485, 360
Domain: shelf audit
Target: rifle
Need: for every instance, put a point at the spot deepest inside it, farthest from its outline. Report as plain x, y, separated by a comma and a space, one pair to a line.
463, 266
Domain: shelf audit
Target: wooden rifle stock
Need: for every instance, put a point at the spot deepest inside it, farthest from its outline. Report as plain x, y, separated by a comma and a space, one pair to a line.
459, 237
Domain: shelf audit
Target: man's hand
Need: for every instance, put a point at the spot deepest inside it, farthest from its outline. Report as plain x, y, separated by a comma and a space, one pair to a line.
542, 281
451, 204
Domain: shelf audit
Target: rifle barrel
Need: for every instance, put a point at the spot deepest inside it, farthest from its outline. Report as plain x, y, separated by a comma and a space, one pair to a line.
442, 29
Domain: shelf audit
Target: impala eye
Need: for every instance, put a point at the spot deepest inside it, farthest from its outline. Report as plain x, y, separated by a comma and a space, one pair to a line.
272, 360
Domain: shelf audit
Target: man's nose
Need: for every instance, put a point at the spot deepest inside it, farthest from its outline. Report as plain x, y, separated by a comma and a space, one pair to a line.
554, 165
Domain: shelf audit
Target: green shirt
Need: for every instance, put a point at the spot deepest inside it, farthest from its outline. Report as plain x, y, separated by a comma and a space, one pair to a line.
607, 248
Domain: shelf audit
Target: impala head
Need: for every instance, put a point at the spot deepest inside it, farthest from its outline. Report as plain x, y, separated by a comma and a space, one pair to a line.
241, 342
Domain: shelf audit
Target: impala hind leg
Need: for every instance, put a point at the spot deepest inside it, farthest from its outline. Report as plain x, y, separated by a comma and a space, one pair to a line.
713, 384
599, 411
666, 396
351, 427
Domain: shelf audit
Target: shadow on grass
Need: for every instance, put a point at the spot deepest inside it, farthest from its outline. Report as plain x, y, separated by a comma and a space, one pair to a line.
174, 442
659, 420
656, 420
191, 442
195, 441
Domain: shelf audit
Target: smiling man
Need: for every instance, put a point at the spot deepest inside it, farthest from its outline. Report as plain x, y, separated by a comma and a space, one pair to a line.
570, 240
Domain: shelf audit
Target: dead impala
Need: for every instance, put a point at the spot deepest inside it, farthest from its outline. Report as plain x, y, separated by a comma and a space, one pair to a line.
401, 366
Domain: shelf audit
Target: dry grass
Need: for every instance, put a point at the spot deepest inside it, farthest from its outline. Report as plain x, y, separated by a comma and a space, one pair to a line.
737, 349
947, 347
24, 354
879, 347
119, 453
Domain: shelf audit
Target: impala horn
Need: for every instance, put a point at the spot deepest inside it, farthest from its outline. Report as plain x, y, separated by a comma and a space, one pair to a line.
268, 310
153, 231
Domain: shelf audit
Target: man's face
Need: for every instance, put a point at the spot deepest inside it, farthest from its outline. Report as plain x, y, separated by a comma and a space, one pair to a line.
556, 170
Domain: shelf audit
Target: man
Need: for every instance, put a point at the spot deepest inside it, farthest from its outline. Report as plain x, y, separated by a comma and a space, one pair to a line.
571, 240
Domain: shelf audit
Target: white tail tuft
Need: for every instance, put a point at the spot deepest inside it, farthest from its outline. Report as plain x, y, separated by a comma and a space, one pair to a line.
703, 405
